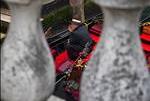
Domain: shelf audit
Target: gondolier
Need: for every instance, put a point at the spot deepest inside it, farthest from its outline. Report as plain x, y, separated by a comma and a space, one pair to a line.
79, 38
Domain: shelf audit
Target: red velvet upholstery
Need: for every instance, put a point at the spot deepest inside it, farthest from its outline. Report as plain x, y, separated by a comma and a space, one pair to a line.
145, 41
146, 47
60, 59
95, 32
145, 36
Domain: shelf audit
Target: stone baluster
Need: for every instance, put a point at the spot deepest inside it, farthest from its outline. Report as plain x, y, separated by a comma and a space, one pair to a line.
117, 70
27, 72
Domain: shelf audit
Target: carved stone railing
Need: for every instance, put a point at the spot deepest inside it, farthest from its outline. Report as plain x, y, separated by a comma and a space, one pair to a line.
117, 70
27, 71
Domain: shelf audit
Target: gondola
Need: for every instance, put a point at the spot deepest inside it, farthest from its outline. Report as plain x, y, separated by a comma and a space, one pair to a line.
69, 71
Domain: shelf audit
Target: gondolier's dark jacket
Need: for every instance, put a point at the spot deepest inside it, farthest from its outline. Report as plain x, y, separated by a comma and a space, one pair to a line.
77, 41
